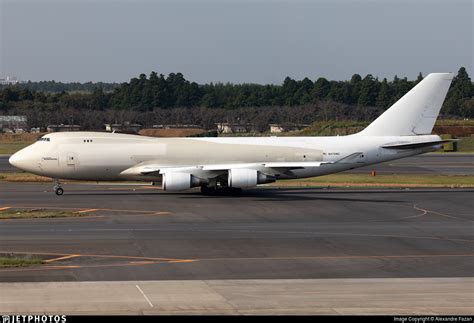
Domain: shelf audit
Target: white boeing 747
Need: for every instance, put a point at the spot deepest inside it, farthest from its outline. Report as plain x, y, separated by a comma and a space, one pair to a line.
234, 163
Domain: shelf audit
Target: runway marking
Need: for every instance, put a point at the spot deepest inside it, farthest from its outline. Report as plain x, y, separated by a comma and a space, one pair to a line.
182, 260
338, 233
142, 262
338, 257
424, 212
62, 267
438, 213
61, 255
145, 212
146, 298
62, 258
88, 211
139, 263
5, 208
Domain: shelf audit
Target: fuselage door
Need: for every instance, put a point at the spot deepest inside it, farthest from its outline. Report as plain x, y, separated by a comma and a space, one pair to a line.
71, 160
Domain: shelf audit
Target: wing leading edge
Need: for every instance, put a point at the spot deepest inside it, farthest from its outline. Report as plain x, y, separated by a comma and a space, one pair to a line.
151, 168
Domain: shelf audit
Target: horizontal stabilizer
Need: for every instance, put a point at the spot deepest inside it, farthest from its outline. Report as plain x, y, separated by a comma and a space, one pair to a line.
418, 144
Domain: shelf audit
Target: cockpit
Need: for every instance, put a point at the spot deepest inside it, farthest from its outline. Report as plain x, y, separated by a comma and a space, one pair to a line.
43, 139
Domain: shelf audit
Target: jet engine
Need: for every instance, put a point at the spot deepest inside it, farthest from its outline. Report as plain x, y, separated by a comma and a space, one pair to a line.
242, 178
175, 181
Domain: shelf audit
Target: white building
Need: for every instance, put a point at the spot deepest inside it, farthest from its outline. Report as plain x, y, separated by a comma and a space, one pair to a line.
126, 127
279, 128
63, 127
226, 127
9, 81
13, 123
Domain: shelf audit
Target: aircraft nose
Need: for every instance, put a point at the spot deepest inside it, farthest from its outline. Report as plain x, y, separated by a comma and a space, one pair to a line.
18, 160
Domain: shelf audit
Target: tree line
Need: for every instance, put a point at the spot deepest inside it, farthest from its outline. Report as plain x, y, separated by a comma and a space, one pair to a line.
173, 99
57, 87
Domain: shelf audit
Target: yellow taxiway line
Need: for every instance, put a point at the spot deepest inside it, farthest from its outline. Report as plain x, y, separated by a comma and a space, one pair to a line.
87, 211
62, 258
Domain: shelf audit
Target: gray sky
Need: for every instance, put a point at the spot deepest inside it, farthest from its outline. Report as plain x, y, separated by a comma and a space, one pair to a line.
259, 41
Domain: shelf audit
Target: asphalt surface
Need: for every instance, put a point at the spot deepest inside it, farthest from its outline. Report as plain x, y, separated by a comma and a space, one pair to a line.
422, 164
368, 296
456, 164
141, 233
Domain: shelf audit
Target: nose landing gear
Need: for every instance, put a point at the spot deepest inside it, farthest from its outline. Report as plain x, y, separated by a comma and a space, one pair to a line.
58, 189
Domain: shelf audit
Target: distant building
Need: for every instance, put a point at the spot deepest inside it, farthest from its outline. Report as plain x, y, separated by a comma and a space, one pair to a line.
13, 123
176, 126
126, 127
9, 81
63, 127
226, 127
278, 128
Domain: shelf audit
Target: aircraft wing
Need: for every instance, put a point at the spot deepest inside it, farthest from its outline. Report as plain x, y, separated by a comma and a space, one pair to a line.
152, 169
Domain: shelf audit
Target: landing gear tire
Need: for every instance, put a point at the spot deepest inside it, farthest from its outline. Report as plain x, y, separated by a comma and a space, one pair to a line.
57, 188
59, 191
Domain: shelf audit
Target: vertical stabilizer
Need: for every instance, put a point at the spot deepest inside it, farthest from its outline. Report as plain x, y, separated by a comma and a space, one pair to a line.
416, 112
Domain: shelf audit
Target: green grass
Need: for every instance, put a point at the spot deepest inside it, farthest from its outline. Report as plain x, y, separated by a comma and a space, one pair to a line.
401, 180
9, 148
34, 214
19, 262
453, 122
466, 144
23, 177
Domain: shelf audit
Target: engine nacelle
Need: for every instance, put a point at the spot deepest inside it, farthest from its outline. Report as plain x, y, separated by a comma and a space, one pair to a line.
242, 178
174, 181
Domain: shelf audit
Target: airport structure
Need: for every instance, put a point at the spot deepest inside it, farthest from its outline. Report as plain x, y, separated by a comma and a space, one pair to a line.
229, 127
63, 127
123, 127
9, 80
279, 128
13, 123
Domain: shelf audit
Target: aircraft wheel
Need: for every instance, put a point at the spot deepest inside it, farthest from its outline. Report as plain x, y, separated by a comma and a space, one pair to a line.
59, 191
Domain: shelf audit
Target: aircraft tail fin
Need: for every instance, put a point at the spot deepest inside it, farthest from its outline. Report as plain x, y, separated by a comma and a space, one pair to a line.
416, 112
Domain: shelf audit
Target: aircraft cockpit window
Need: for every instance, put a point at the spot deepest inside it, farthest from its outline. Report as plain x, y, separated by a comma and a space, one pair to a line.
43, 139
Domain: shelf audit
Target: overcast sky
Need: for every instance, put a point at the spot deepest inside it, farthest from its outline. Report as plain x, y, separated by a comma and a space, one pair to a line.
259, 41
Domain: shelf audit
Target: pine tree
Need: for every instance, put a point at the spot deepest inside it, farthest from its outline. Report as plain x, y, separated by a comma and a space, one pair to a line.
383, 98
461, 90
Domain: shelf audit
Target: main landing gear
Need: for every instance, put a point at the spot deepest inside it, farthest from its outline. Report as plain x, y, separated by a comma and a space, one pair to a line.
57, 188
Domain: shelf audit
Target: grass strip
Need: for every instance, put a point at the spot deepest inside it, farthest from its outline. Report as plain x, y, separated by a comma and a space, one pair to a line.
19, 262
35, 214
